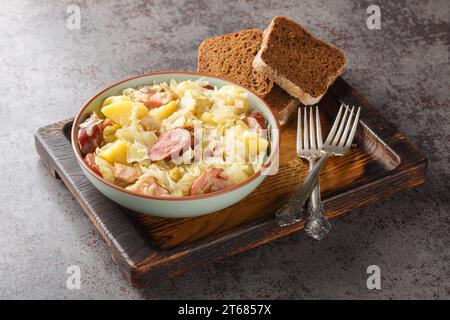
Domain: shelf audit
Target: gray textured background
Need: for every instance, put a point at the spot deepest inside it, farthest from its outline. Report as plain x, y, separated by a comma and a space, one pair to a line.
48, 71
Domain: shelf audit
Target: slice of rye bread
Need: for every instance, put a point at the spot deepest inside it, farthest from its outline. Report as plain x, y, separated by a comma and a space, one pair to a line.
230, 56
298, 62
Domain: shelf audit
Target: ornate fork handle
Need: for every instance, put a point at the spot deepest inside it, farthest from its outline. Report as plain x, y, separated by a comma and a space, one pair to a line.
294, 210
317, 226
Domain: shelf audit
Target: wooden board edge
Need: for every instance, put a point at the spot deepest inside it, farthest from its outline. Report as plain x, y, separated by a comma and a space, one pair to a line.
144, 272
126, 264
267, 231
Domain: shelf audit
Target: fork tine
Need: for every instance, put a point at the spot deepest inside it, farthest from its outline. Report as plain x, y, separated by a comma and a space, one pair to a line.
305, 131
347, 128
299, 130
318, 129
312, 134
334, 127
352, 133
341, 126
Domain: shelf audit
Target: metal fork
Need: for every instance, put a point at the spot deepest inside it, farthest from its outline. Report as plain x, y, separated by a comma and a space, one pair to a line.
309, 143
317, 226
337, 143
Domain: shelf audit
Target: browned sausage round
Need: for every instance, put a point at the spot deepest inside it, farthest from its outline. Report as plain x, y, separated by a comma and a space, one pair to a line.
209, 181
170, 143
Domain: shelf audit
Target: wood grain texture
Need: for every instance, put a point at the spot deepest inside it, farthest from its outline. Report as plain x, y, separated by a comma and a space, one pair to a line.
149, 249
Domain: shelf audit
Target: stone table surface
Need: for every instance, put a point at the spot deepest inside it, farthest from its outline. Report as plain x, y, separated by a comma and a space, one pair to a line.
48, 70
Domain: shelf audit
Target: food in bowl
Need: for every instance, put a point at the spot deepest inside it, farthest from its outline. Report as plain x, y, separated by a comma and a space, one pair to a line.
175, 138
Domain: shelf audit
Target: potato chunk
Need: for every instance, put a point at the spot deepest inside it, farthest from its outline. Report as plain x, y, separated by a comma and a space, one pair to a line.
164, 111
115, 152
113, 99
122, 112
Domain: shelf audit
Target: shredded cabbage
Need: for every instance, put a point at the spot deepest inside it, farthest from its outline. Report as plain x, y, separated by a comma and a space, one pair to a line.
105, 168
225, 140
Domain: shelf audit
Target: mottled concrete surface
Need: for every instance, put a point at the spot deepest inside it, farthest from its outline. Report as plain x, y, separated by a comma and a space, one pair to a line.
48, 71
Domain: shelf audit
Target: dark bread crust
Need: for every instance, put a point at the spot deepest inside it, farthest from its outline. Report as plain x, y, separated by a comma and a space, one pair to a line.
301, 64
231, 56
281, 103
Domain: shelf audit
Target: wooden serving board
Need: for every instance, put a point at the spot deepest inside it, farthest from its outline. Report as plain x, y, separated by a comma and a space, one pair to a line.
148, 249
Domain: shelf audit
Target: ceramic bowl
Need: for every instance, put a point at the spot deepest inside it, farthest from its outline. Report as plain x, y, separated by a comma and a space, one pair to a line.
176, 207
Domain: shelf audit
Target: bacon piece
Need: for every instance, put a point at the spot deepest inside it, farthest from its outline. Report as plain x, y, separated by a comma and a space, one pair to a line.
255, 120
156, 100
126, 174
170, 143
208, 87
153, 99
90, 161
150, 186
90, 134
210, 181
150, 98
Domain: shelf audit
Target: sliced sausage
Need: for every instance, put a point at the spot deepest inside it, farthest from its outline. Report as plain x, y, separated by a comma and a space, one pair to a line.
209, 181
90, 134
170, 143
90, 161
126, 174
150, 186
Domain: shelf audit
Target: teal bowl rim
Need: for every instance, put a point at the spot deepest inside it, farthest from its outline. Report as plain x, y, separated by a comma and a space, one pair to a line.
266, 165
